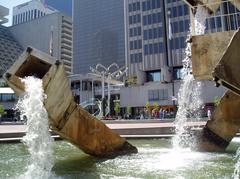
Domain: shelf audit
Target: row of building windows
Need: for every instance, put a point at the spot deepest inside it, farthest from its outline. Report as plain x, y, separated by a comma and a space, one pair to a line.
135, 19
153, 48
136, 31
177, 11
136, 44
26, 16
230, 22
134, 7
136, 58
151, 4
171, 1
152, 18
178, 43
153, 33
7, 97
180, 26
156, 95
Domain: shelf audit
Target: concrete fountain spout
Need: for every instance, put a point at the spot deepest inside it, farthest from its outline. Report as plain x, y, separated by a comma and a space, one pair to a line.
215, 56
210, 5
66, 118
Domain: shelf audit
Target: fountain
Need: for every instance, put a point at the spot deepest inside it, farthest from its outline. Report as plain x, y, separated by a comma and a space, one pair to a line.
66, 118
37, 138
156, 158
214, 56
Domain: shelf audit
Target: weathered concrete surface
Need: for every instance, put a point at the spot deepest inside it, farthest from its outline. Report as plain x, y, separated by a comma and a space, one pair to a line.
227, 71
207, 50
223, 126
66, 118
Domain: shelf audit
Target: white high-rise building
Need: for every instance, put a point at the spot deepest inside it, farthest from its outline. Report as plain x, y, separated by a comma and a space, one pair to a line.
30, 10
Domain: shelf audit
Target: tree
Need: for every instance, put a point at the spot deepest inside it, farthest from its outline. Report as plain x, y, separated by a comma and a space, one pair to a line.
117, 108
1, 109
217, 100
129, 110
148, 108
155, 106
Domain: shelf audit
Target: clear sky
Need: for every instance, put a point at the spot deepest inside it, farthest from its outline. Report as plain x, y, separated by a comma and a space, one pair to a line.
10, 4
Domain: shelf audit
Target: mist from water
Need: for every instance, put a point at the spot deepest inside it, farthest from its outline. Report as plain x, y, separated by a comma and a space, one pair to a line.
38, 138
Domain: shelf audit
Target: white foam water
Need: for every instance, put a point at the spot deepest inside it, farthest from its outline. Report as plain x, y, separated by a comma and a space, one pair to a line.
37, 138
189, 100
236, 173
200, 20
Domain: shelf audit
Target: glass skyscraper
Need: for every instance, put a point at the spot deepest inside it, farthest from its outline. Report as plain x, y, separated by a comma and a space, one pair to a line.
98, 33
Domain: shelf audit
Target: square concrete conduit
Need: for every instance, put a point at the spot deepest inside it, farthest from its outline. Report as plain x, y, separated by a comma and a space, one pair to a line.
207, 50
227, 71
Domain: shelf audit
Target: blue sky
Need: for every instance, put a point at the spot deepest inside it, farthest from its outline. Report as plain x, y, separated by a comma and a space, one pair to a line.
10, 4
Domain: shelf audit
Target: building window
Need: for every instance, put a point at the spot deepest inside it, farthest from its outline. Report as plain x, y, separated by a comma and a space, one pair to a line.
13, 20
35, 13
7, 97
32, 14
153, 76
159, 94
129, 7
131, 45
163, 94
139, 31
145, 49
177, 73
153, 95
130, 32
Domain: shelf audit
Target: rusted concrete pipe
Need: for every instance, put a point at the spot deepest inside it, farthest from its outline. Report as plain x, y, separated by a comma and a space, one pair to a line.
66, 118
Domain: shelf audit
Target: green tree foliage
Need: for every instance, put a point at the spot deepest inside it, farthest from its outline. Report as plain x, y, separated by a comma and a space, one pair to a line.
217, 100
147, 106
155, 106
1, 110
129, 110
132, 80
117, 108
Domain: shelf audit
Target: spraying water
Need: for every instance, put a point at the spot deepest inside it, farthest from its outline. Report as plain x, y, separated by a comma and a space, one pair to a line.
189, 100
37, 138
236, 174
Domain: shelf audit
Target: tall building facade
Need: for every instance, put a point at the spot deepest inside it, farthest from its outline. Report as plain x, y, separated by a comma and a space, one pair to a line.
30, 10
55, 38
156, 33
98, 33
152, 44
64, 6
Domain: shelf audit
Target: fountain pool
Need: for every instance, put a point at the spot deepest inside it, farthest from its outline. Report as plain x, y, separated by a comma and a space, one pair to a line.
156, 159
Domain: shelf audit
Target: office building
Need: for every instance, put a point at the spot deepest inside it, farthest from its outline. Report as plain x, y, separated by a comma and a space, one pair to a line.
156, 32
51, 34
98, 33
9, 52
30, 10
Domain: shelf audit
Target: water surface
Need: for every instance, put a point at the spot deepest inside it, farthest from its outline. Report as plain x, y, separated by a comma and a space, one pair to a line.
156, 159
